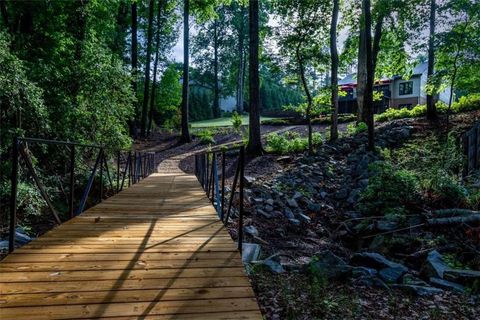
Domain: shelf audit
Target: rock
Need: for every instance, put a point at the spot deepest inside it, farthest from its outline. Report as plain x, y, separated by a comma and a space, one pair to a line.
4, 245
447, 285
273, 264
251, 230
327, 265
392, 275
353, 197
362, 271
421, 291
341, 194
269, 202
385, 225
21, 238
435, 266
284, 159
295, 222
374, 260
248, 180
323, 194
412, 280
297, 195
371, 281
264, 214
466, 277
250, 252
292, 203
268, 208
304, 218
314, 207
363, 183
256, 200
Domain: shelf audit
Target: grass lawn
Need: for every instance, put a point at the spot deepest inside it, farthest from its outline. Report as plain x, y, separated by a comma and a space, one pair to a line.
221, 122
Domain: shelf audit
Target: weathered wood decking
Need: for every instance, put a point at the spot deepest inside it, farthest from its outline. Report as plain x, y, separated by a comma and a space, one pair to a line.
157, 250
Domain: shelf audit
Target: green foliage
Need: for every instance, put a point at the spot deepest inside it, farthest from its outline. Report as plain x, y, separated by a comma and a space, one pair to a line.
236, 120
169, 97
389, 190
276, 122
206, 136
356, 128
466, 103
291, 142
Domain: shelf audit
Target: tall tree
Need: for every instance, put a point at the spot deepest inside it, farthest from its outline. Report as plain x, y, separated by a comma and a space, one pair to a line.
216, 89
365, 51
254, 146
241, 60
334, 70
431, 109
146, 89
186, 79
161, 4
134, 53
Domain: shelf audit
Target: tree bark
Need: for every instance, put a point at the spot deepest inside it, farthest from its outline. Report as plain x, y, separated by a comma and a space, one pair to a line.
361, 71
216, 90
377, 37
121, 27
241, 61
146, 88
309, 99
4, 12
185, 85
254, 146
431, 108
334, 67
133, 124
366, 29
155, 66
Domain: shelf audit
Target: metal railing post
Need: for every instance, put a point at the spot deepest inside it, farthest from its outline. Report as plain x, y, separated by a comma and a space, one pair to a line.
223, 185
240, 219
101, 174
13, 197
118, 171
72, 181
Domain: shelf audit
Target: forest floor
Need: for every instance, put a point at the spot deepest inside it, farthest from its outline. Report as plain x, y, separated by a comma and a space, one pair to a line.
304, 213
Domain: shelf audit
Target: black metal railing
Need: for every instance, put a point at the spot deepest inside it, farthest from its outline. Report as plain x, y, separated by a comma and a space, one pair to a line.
131, 167
471, 149
207, 171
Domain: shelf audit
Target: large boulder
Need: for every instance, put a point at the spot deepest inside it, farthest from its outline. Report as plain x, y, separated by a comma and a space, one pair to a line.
327, 265
435, 266
376, 261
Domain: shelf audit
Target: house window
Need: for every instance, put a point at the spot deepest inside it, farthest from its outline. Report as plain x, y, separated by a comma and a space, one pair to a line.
406, 105
406, 88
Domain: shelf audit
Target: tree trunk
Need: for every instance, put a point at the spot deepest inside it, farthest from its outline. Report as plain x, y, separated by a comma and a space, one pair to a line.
431, 109
4, 12
121, 27
361, 71
155, 66
334, 75
133, 124
377, 37
254, 146
309, 99
146, 88
368, 94
185, 85
241, 61
216, 91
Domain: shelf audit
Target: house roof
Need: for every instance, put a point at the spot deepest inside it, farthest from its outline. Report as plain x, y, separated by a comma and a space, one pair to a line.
351, 79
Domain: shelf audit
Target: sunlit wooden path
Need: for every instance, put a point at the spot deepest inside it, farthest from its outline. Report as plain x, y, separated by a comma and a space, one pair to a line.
157, 250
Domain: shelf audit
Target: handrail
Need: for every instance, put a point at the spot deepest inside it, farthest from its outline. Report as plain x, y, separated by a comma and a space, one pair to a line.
206, 170
136, 167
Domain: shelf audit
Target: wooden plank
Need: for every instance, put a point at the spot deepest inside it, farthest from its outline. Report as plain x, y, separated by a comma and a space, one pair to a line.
67, 298
114, 285
129, 309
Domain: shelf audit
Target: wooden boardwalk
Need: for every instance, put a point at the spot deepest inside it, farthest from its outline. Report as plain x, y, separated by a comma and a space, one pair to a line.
157, 250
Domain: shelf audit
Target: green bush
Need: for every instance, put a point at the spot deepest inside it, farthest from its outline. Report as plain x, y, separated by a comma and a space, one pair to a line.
276, 122
389, 189
206, 136
291, 142
356, 128
236, 120
464, 104
446, 190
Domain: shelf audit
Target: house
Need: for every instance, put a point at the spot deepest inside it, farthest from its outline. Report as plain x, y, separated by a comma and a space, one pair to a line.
397, 92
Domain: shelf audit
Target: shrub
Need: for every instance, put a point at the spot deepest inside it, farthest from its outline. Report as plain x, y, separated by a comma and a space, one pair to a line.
356, 128
206, 136
236, 120
291, 142
276, 122
389, 189
446, 190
